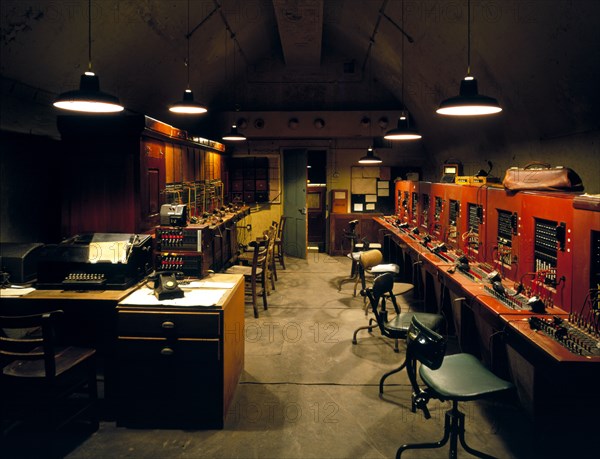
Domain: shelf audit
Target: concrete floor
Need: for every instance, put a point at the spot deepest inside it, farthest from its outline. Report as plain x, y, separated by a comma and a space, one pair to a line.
307, 392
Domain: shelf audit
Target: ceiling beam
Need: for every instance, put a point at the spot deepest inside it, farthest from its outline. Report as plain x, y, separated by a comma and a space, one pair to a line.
300, 24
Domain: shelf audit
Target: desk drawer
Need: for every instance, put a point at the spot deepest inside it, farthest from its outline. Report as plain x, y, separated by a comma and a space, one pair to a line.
169, 324
148, 350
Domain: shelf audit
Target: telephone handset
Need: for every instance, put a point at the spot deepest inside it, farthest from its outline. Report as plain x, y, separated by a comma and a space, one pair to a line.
166, 286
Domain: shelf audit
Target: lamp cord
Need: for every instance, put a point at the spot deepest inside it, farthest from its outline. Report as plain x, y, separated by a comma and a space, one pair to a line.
90, 35
468, 37
402, 53
187, 37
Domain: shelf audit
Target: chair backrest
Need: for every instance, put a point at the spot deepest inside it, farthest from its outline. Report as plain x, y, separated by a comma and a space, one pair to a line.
259, 260
370, 258
425, 346
276, 226
281, 227
271, 235
376, 294
29, 338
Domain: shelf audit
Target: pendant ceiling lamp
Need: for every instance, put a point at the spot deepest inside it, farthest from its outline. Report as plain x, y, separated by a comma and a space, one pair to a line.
370, 158
88, 98
469, 102
187, 106
234, 135
403, 131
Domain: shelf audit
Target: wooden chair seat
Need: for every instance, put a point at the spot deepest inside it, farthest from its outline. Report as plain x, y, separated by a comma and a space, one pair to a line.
242, 269
246, 257
66, 359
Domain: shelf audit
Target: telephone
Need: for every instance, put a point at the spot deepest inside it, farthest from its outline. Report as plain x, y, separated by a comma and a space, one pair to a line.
166, 286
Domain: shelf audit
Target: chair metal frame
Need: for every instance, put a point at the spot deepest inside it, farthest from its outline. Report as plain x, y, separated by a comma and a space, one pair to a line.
428, 347
378, 294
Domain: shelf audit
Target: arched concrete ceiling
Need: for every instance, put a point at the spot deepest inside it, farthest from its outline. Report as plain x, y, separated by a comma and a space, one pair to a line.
539, 58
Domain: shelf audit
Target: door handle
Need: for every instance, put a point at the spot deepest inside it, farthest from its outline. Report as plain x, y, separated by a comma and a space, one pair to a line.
302, 211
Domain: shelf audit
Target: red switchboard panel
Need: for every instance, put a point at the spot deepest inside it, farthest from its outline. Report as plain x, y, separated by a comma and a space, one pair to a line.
423, 215
503, 232
402, 200
546, 254
413, 203
452, 218
541, 241
586, 269
437, 211
473, 222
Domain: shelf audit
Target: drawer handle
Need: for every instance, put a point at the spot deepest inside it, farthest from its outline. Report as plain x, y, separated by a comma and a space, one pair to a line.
168, 325
167, 351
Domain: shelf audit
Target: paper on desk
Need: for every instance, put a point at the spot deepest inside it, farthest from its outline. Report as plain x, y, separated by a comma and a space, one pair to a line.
200, 297
14, 292
209, 284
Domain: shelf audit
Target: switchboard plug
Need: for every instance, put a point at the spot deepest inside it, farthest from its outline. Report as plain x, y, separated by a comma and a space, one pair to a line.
536, 305
248, 227
494, 276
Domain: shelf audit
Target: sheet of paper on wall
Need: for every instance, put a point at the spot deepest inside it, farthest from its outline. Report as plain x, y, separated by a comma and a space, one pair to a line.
383, 192
371, 198
370, 172
370, 206
364, 186
383, 184
358, 207
339, 195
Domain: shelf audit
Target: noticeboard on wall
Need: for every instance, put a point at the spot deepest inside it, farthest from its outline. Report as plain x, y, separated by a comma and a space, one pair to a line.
370, 189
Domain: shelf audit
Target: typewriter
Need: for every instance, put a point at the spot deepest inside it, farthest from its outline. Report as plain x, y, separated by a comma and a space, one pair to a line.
98, 261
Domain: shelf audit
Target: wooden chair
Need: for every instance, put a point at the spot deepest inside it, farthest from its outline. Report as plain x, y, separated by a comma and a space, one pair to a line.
279, 241
40, 383
255, 274
271, 268
245, 258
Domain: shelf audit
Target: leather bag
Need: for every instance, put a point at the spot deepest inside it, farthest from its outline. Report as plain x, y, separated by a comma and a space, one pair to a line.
542, 176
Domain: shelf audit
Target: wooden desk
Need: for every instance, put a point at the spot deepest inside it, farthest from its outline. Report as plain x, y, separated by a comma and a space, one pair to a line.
178, 366
202, 382
338, 223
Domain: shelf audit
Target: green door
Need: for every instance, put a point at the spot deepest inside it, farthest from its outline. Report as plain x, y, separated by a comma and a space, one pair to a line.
294, 202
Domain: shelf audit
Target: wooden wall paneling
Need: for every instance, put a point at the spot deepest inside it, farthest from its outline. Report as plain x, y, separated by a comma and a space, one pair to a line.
152, 182
119, 184
178, 163
187, 164
169, 163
